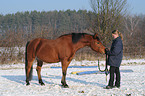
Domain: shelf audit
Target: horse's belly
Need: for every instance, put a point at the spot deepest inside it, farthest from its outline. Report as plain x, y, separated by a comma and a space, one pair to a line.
49, 55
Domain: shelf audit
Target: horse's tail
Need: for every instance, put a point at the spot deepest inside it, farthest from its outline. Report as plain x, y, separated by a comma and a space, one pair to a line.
26, 63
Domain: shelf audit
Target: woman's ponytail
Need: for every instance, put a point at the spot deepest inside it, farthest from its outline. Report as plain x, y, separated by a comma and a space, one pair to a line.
120, 34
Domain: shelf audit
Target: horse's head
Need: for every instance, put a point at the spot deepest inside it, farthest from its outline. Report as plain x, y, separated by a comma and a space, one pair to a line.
96, 45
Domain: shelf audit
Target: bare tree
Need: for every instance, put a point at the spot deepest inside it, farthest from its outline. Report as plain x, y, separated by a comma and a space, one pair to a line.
131, 24
109, 15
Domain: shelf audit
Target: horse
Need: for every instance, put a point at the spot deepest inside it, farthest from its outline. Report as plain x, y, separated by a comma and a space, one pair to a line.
61, 50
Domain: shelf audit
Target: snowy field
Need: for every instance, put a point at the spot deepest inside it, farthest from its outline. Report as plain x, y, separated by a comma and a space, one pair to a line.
12, 81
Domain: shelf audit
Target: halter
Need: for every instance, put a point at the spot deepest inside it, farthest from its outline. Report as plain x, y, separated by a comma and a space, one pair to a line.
106, 69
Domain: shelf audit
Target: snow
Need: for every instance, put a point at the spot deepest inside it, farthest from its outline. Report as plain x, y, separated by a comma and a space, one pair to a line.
12, 81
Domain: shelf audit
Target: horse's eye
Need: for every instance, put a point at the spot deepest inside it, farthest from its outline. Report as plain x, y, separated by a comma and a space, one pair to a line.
97, 42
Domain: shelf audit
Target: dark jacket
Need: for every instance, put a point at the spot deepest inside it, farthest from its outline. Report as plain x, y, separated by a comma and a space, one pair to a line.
116, 53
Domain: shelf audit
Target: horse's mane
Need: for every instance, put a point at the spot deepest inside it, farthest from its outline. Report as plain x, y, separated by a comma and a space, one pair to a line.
77, 36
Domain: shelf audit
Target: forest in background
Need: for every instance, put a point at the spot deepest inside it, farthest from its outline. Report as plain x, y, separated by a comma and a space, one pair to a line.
16, 29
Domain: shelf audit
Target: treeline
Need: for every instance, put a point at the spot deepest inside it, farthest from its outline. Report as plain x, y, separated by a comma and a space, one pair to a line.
16, 29
44, 24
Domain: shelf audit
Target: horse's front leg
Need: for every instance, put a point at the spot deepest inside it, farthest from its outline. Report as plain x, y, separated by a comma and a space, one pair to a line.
64, 72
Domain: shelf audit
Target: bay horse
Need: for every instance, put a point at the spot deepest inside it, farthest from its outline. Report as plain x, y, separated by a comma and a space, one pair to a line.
61, 50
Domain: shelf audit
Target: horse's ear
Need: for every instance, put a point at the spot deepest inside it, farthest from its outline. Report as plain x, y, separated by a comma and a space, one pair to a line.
96, 36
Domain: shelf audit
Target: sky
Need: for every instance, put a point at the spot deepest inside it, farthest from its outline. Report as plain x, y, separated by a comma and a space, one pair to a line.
13, 6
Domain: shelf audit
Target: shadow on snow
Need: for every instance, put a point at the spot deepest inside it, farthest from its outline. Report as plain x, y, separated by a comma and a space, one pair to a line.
21, 79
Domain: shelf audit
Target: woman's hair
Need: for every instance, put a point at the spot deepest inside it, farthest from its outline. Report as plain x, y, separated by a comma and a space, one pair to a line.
117, 32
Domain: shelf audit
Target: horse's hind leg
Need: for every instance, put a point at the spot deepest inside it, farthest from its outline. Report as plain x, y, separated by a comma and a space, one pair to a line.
29, 71
38, 69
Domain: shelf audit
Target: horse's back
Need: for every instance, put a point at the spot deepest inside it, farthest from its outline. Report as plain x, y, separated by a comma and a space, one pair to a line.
51, 50
55, 50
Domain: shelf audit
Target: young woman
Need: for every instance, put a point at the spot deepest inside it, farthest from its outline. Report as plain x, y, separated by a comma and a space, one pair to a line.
114, 59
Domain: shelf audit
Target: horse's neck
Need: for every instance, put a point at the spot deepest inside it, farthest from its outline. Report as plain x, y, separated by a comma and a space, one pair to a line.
81, 44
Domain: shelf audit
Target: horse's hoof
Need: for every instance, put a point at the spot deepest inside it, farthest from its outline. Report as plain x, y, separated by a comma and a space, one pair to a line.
65, 86
42, 84
28, 84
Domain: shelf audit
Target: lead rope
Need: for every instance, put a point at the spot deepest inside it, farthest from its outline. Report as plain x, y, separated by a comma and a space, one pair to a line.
106, 68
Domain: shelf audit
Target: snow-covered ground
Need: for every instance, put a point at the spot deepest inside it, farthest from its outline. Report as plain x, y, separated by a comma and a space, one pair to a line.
12, 81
